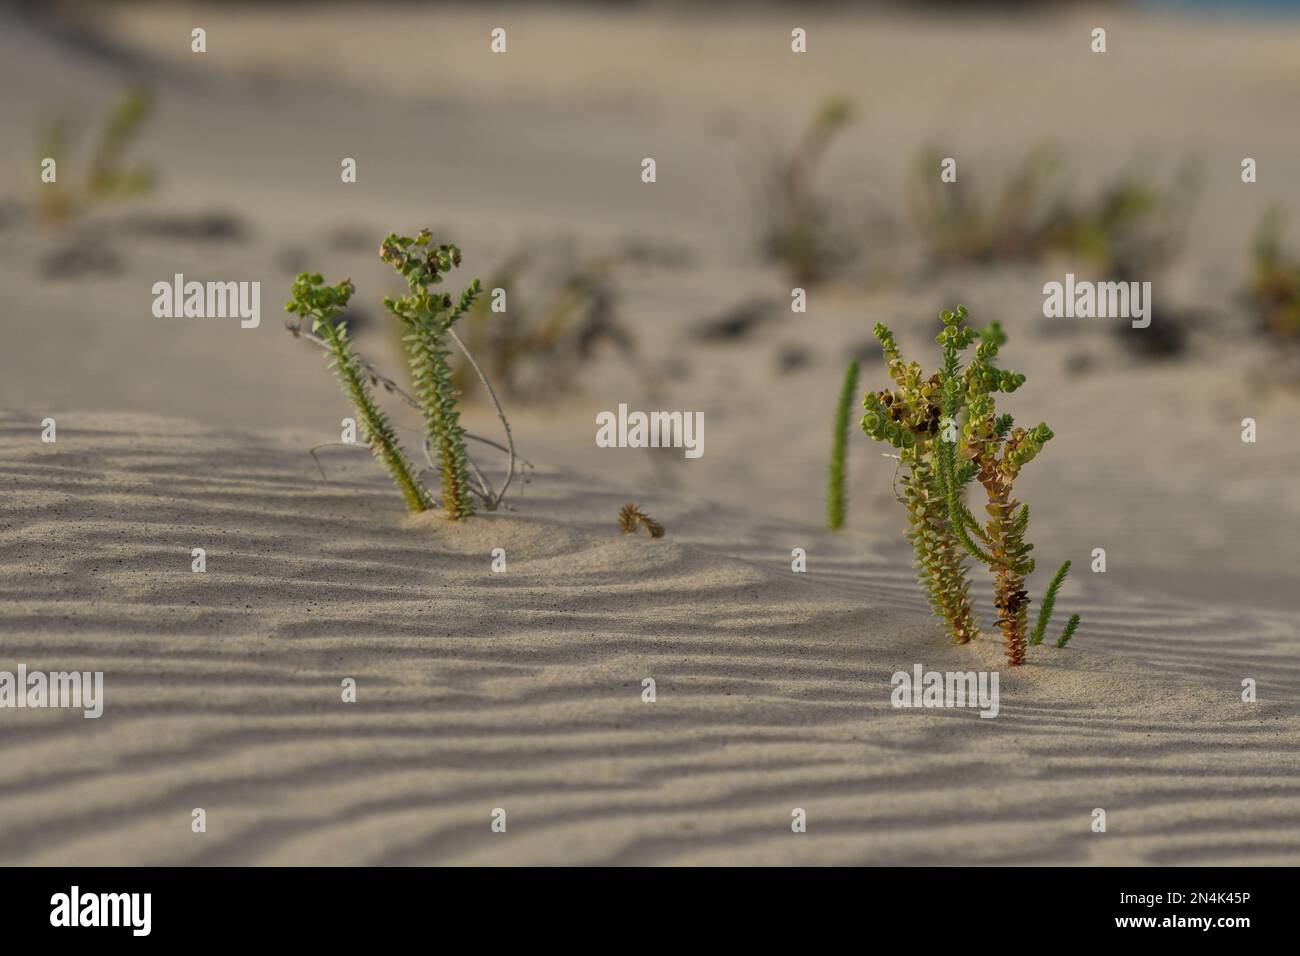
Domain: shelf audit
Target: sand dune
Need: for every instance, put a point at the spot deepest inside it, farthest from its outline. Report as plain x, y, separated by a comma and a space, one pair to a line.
522, 690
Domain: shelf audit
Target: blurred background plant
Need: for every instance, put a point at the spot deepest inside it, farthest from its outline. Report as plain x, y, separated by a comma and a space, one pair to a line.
802, 229
557, 318
1128, 227
964, 222
106, 177
1131, 227
1274, 290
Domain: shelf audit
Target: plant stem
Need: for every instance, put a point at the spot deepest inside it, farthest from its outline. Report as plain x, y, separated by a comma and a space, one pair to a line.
1009, 594
938, 554
376, 428
432, 376
835, 496
1070, 627
1047, 604
493, 500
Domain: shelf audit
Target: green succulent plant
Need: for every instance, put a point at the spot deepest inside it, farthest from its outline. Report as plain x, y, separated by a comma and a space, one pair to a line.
907, 417
948, 433
990, 449
312, 299
427, 317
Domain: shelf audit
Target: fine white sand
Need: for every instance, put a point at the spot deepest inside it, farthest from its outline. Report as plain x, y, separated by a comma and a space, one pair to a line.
522, 690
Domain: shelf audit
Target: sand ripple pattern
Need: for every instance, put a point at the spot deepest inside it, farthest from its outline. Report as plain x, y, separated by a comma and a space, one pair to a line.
523, 690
